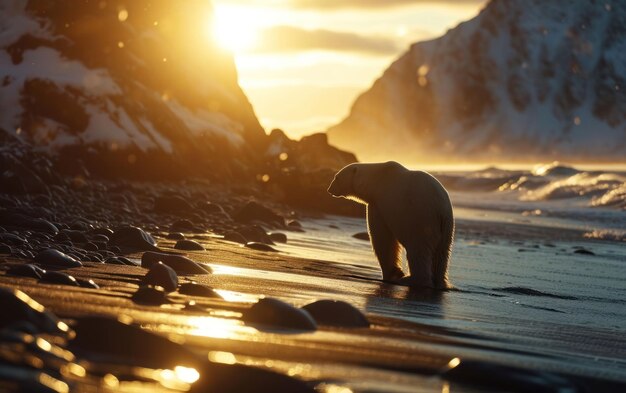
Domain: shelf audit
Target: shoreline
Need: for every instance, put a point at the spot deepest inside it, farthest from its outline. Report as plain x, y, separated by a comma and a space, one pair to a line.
413, 334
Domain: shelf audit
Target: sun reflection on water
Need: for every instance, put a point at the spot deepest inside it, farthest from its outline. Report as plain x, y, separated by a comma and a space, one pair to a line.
217, 327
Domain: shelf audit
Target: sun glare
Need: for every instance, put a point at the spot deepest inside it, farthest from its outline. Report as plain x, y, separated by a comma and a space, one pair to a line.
235, 28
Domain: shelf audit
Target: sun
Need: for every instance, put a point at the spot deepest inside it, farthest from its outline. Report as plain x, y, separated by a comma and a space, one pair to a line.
234, 28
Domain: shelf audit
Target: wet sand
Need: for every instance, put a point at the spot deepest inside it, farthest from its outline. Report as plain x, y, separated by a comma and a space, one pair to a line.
413, 337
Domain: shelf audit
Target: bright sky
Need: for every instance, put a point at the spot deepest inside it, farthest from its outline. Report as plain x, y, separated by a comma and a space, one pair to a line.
303, 62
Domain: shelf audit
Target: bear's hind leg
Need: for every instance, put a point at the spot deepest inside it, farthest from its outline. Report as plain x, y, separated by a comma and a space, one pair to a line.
386, 246
420, 260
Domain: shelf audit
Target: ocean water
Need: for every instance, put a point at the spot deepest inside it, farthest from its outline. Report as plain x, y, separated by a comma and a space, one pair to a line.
524, 292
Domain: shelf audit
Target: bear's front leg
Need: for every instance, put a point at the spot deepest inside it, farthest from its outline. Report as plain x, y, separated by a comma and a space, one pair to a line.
385, 245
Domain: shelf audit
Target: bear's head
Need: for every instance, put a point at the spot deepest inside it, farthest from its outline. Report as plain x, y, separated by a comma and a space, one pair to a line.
347, 183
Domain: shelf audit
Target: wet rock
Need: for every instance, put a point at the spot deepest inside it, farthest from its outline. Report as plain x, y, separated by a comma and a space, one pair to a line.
211, 208
19, 307
255, 233
362, 236
175, 236
129, 344
254, 211
189, 245
75, 236
152, 296
278, 237
337, 313
5, 249
295, 225
114, 261
182, 226
584, 251
195, 289
100, 238
134, 238
87, 283
172, 205
12, 239
61, 278
161, 275
91, 246
102, 231
260, 247
24, 270
276, 313
11, 219
180, 264
55, 258
236, 237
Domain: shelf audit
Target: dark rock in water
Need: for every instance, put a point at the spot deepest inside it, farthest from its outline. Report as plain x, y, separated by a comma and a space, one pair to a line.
114, 261
172, 205
127, 261
211, 208
255, 233
19, 307
492, 376
336, 313
102, 231
584, 251
118, 341
91, 246
81, 226
99, 238
260, 247
175, 236
195, 289
24, 270
133, 238
182, 226
189, 245
254, 211
278, 237
362, 236
87, 283
5, 249
75, 236
236, 237
180, 264
13, 239
294, 225
59, 278
276, 313
55, 258
151, 296
161, 275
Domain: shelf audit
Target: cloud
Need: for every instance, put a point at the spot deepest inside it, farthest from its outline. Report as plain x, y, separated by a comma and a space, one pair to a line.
294, 39
349, 4
341, 4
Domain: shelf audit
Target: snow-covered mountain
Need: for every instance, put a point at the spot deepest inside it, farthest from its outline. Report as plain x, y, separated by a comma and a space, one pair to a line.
123, 86
523, 80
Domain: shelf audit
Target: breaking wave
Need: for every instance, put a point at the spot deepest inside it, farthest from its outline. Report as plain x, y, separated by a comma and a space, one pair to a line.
553, 181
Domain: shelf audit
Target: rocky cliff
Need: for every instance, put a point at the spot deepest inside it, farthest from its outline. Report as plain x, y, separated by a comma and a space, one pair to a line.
523, 80
125, 87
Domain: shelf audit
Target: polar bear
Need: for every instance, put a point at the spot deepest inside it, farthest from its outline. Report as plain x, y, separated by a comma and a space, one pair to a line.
404, 207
